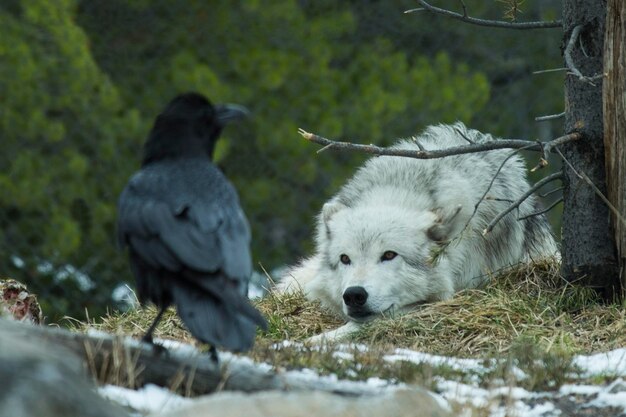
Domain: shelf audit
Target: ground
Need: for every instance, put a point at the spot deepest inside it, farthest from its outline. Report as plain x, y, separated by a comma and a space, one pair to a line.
530, 344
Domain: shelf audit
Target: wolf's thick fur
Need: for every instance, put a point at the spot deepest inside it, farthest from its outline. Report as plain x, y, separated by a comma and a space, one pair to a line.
402, 231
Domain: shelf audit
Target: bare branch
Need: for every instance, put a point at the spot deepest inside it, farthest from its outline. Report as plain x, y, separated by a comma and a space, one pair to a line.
484, 196
519, 201
568, 51
585, 178
549, 70
547, 193
482, 22
419, 145
549, 117
506, 200
544, 147
544, 211
570, 62
543, 162
330, 145
547, 148
464, 8
460, 132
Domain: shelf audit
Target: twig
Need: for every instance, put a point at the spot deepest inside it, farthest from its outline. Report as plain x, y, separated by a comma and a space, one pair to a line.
547, 148
460, 132
568, 51
419, 145
482, 22
543, 162
552, 144
544, 147
547, 193
544, 211
582, 47
570, 62
506, 200
584, 177
549, 117
549, 70
324, 148
484, 196
519, 201
464, 8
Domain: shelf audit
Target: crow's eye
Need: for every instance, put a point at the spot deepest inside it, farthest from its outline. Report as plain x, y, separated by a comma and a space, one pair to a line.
345, 259
388, 255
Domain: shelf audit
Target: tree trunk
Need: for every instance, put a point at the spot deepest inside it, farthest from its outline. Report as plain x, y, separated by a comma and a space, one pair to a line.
587, 240
614, 107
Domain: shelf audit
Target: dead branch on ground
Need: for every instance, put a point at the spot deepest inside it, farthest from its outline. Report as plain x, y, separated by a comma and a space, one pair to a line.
116, 359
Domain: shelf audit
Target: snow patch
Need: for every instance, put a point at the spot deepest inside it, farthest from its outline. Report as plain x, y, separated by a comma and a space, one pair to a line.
436, 360
606, 363
497, 401
614, 395
149, 399
571, 389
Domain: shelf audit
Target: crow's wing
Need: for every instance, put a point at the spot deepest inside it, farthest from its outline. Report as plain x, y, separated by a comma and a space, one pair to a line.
175, 223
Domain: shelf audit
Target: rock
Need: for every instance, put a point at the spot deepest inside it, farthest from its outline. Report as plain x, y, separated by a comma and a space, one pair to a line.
43, 380
395, 403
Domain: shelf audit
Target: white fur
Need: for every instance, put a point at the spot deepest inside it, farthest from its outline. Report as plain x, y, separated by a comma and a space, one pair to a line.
417, 208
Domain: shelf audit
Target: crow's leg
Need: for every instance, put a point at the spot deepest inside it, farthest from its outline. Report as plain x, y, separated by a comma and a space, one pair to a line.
147, 338
213, 354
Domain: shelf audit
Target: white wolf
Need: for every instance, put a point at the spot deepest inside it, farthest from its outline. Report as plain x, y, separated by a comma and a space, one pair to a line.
403, 231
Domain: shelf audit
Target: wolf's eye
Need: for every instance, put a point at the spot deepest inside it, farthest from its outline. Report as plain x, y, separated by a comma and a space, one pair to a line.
388, 255
345, 259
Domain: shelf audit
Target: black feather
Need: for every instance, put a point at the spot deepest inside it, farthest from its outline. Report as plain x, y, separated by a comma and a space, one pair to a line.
188, 239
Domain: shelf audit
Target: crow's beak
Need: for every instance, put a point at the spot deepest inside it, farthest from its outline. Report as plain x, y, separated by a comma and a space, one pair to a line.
228, 112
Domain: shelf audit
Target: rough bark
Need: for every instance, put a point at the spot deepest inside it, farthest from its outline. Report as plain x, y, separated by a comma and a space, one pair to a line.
614, 107
587, 240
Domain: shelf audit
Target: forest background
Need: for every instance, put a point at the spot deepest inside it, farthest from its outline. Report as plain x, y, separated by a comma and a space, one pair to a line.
81, 83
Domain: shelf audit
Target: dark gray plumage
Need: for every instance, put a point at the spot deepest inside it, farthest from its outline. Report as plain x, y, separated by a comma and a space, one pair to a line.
187, 236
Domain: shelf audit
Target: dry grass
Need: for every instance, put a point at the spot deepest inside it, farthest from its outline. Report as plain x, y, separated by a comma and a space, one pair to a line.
531, 302
528, 315
134, 323
291, 316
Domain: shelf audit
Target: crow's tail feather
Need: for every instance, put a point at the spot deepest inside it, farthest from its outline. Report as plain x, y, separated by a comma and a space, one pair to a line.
223, 318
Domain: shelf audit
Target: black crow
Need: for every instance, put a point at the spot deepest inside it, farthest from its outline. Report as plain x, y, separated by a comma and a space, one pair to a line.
188, 239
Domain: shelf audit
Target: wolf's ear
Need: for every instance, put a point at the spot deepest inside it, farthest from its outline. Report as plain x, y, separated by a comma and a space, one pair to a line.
330, 209
447, 223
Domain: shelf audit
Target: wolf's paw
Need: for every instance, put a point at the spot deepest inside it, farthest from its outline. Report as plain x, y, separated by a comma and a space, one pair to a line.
337, 335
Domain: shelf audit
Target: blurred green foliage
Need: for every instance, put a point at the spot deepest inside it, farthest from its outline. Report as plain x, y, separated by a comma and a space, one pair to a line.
66, 146
81, 82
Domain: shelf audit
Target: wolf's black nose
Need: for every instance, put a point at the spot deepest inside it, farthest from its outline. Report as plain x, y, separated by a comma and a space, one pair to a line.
355, 296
